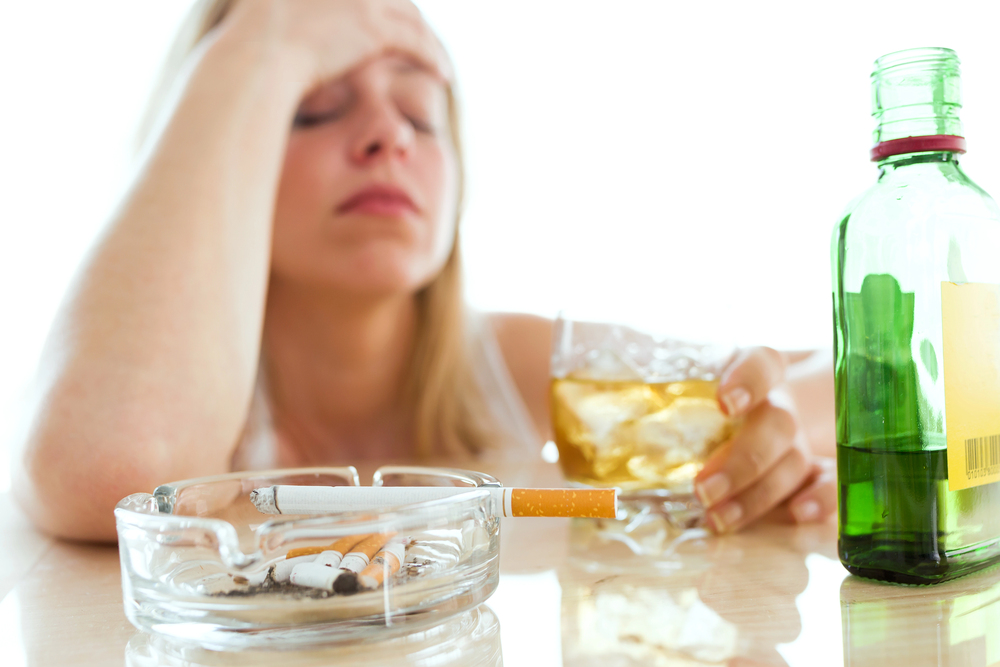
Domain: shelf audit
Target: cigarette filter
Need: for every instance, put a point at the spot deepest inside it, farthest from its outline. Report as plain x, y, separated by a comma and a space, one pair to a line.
335, 554
283, 568
323, 571
385, 562
290, 499
362, 553
340, 546
314, 576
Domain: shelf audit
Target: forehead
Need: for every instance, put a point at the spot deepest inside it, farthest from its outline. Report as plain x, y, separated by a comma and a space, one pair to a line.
396, 68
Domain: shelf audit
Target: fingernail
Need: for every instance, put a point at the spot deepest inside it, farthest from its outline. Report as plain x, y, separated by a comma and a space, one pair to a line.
724, 518
737, 400
807, 510
713, 489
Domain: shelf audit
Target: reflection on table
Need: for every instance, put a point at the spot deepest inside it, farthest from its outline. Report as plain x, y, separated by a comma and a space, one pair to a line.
646, 596
471, 639
955, 623
571, 593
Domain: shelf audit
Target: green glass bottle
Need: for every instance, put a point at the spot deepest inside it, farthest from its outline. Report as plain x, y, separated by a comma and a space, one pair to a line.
916, 280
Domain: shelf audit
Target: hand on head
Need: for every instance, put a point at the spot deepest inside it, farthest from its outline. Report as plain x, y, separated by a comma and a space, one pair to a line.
768, 463
328, 38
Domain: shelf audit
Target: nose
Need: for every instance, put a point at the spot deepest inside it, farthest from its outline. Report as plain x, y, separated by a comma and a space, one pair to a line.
383, 132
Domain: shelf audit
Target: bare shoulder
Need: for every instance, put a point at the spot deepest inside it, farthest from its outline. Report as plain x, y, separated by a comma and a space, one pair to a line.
525, 341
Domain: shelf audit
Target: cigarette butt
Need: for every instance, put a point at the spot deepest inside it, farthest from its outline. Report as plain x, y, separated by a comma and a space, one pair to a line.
283, 568
587, 503
346, 582
329, 558
361, 554
305, 551
312, 575
333, 556
386, 561
341, 545
252, 578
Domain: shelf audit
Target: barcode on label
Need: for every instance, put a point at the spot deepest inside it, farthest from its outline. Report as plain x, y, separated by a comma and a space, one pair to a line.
982, 456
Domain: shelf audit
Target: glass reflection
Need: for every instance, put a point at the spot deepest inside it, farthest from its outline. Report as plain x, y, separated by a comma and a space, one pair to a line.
637, 594
471, 639
955, 623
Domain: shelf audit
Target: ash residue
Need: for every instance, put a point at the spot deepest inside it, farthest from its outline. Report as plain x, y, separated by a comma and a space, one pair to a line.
413, 568
274, 588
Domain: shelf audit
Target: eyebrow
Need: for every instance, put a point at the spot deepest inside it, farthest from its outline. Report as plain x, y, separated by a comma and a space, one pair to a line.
409, 67
406, 65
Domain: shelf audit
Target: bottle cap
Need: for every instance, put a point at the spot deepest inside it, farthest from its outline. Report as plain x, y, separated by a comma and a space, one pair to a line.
933, 142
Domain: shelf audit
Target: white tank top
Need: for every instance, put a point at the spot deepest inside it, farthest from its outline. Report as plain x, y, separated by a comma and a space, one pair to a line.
509, 416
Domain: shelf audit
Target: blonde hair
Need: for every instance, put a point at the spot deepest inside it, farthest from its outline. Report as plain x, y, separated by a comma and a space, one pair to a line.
448, 409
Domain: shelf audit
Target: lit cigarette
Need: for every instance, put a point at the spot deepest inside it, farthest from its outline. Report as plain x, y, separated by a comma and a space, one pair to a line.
289, 499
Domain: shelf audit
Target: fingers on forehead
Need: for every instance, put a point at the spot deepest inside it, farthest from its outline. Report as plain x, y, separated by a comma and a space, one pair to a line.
411, 37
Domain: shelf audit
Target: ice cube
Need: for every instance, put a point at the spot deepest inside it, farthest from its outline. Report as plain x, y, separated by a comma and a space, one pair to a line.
682, 432
601, 413
604, 414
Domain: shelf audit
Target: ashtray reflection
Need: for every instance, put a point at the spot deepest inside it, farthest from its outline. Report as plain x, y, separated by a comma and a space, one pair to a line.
470, 639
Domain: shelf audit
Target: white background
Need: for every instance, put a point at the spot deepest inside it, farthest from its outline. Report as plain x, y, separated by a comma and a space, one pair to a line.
670, 164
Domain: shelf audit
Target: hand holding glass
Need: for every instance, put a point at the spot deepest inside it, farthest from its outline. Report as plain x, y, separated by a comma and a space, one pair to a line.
635, 411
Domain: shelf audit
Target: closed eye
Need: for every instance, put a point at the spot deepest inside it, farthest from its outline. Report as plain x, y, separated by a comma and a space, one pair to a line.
306, 120
420, 125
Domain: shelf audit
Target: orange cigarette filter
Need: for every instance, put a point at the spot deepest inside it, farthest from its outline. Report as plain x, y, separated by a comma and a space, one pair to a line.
371, 544
586, 503
385, 562
343, 545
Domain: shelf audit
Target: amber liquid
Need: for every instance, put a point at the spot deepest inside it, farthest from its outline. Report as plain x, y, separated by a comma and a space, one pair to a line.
636, 435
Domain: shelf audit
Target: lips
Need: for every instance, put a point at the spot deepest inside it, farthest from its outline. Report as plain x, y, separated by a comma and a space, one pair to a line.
379, 199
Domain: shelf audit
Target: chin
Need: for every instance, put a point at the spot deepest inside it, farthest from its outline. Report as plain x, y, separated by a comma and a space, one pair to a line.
376, 280
380, 267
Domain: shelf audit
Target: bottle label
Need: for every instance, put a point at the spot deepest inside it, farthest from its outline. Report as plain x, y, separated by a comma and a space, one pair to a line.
970, 321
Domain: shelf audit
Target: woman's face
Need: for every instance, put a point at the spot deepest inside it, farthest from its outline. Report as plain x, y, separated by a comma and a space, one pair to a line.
366, 203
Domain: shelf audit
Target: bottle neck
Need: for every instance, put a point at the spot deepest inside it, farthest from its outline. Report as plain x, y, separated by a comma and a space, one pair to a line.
916, 100
894, 162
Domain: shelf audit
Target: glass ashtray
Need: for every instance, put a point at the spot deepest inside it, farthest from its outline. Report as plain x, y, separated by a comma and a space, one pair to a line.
469, 639
199, 560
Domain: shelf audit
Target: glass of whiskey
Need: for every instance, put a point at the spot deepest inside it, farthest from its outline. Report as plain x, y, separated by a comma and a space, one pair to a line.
638, 412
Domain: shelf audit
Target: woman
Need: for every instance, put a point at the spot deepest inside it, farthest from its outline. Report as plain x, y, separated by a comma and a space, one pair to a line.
273, 297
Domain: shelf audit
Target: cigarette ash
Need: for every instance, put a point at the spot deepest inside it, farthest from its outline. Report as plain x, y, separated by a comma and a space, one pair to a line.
274, 588
427, 553
270, 586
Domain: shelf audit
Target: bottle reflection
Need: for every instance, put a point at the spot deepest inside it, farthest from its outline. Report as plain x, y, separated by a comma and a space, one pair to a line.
952, 624
471, 639
643, 597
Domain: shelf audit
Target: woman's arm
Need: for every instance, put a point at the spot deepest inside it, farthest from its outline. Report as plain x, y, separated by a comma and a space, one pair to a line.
809, 380
526, 344
149, 368
148, 371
